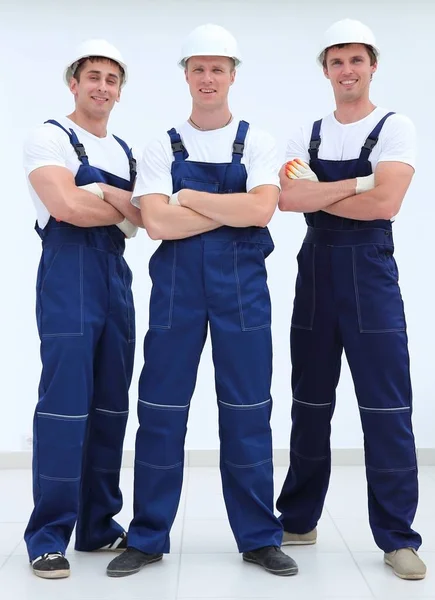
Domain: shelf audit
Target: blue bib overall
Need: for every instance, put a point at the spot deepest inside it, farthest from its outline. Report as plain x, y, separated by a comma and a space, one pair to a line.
85, 318
216, 280
347, 296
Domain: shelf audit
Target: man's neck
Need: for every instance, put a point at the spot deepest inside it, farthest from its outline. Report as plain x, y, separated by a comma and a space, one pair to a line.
208, 120
96, 127
351, 112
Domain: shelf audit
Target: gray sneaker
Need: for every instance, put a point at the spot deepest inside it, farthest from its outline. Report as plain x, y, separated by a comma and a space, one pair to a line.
406, 563
299, 539
130, 561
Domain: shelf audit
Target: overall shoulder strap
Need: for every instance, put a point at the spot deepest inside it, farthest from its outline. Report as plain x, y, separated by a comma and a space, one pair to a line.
239, 142
79, 149
373, 138
315, 140
179, 151
131, 159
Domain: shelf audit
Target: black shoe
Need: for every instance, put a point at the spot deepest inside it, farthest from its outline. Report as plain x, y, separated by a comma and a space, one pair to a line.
131, 561
272, 559
51, 566
117, 545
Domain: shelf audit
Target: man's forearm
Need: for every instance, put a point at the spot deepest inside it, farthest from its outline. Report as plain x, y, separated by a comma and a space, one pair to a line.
235, 210
176, 222
84, 209
310, 196
120, 199
369, 206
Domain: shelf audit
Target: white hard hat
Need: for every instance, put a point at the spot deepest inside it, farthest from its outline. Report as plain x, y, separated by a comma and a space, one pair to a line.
94, 48
347, 31
209, 40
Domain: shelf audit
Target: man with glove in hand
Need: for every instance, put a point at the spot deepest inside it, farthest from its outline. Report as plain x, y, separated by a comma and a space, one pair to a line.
80, 179
349, 173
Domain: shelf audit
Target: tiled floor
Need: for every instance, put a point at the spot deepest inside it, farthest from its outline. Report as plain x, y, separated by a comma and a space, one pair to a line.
204, 562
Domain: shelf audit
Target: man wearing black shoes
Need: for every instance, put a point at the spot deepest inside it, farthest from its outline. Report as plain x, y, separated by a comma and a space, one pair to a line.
208, 190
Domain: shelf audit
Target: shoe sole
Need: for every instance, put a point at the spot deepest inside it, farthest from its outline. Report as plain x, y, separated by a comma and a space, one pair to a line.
307, 543
411, 577
132, 571
105, 550
61, 574
283, 573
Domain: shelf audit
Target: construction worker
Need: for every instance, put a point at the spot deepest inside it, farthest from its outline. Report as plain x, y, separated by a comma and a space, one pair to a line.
350, 176
208, 190
80, 179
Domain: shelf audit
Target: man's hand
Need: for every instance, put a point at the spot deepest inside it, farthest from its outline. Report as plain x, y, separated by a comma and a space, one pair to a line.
298, 169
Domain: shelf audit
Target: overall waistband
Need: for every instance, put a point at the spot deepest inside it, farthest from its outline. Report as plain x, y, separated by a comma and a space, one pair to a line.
348, 237
256, 235
107, 239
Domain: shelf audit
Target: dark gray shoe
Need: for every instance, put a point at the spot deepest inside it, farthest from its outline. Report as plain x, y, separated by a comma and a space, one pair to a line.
131, 561
272, 559
52, 565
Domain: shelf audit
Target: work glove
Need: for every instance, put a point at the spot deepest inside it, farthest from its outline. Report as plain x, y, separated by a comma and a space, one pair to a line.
127, 228
364, 184
174, 199
298, 169
93, 188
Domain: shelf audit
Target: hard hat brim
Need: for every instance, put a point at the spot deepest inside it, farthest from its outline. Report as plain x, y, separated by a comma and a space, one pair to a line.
68, 73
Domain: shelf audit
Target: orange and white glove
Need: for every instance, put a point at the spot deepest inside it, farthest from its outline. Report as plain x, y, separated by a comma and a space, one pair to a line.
298, 169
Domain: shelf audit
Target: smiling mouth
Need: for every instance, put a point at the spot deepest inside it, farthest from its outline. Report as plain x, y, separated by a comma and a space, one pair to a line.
206, 91
99, 99
348, 82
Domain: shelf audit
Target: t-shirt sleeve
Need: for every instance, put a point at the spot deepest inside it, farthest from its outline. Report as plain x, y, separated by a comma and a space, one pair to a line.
263, 164
44, 148
297, 145
154, 171
398, 141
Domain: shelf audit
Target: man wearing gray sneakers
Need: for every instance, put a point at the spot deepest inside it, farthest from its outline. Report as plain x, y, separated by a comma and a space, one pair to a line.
361, 162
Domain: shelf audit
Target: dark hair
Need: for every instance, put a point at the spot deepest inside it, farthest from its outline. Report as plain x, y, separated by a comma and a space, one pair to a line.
369, 49
81, 63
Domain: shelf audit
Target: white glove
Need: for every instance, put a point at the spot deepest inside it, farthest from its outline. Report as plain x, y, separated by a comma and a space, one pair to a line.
127, 228
93, 188
364, 184
174, 199
298, 169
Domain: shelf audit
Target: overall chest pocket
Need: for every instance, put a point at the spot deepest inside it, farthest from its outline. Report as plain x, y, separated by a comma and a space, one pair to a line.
212, 187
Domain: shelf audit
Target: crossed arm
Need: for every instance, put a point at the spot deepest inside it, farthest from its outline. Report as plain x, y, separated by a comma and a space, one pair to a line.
392, 180
200, 212
65, 201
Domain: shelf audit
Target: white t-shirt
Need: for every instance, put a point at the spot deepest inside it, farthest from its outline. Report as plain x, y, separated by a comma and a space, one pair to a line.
397, 140
49, 145
259, 157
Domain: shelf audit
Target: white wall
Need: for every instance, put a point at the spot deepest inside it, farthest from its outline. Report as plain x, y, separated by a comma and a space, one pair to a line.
278, 85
